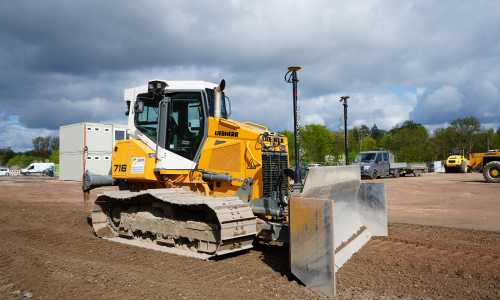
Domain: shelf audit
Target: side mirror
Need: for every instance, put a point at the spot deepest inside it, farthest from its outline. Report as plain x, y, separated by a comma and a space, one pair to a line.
128, 108
139, 106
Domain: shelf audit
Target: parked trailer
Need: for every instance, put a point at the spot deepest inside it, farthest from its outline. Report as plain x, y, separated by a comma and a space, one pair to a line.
377, 164
403, 169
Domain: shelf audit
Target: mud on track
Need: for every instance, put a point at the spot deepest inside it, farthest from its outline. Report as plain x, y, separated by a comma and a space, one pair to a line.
46, 247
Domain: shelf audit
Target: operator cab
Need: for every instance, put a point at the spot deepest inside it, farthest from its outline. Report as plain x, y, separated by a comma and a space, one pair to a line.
184, 120
372, 157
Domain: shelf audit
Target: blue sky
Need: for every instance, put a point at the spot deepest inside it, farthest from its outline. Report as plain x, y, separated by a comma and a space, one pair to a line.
430, 61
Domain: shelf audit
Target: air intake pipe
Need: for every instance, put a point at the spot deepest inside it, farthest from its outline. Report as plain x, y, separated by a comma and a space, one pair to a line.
91, 181
216, 177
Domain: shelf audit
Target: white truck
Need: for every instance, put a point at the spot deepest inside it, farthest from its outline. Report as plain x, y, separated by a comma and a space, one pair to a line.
39, 169
4, 171
375, 164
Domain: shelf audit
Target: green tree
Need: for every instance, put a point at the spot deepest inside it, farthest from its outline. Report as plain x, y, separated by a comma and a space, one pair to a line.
316, 141
54, 144
442, 142
408, 141
495, 144
466, 128
41, 145
483, 140
376, 133
291, 144
5, 155
364, 130
368, 143
54, 156
22, 160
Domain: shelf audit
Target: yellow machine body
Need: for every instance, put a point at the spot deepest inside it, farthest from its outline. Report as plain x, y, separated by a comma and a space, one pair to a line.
232, 148
476, 159
457, 163
193, 182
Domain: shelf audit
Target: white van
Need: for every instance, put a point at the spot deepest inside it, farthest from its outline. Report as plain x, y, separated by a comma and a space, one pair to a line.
38, 168
4, 171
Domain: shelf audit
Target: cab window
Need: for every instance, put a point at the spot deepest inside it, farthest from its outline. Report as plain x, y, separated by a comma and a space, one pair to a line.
147, 120
119, 135
386, 156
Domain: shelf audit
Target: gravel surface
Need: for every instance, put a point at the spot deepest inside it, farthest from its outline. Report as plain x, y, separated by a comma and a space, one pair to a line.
452, 200
48, 252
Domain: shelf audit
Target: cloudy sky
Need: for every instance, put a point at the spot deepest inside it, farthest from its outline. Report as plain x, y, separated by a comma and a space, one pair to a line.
429, 61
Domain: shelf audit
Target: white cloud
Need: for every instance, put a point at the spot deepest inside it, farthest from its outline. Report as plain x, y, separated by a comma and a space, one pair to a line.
17, 137
313, 119
447, 53
383, 109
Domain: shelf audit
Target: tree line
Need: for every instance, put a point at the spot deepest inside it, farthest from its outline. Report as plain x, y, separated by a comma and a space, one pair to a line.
45, 148
409, 141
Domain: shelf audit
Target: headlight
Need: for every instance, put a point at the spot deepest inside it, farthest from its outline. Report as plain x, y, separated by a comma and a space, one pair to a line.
366, 168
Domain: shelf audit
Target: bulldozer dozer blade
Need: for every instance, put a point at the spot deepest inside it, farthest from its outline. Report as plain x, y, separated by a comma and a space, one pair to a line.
333, 217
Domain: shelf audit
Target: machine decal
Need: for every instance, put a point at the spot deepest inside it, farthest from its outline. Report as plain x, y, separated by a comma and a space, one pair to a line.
272, 139
138, 164
226, 133
120, 168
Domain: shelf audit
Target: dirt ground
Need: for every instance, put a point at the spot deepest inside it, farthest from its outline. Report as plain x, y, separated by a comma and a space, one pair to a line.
453, 200
47, 249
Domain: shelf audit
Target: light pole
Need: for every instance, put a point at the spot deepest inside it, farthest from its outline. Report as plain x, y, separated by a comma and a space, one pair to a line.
291, 77
343, 99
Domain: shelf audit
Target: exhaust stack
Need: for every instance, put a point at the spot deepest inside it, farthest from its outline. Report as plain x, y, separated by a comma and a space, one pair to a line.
218, 99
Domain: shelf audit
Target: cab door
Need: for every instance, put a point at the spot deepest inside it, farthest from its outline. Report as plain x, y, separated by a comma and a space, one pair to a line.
185, 124
385, 164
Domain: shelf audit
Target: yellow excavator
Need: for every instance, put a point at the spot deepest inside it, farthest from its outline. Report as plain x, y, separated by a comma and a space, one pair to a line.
191, 181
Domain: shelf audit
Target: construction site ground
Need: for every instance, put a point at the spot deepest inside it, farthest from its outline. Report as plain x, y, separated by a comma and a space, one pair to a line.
444, 242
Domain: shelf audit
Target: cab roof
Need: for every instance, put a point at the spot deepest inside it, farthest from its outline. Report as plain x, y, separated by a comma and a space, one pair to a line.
175, 85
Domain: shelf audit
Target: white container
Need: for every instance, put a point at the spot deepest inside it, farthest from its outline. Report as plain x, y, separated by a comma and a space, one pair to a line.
87, 146
71, 166
439, 167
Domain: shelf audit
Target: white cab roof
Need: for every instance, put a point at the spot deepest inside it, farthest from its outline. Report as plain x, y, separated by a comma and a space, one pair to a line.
131, 93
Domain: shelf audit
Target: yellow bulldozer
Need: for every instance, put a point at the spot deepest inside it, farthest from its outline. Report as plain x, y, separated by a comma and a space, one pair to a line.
191, 181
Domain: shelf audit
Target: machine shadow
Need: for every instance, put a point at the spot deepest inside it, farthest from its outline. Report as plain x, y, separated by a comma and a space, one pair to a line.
277, 257
474, 180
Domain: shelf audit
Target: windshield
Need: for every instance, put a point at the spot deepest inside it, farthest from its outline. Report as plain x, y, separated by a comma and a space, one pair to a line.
147, 120
185, 121
365, 157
